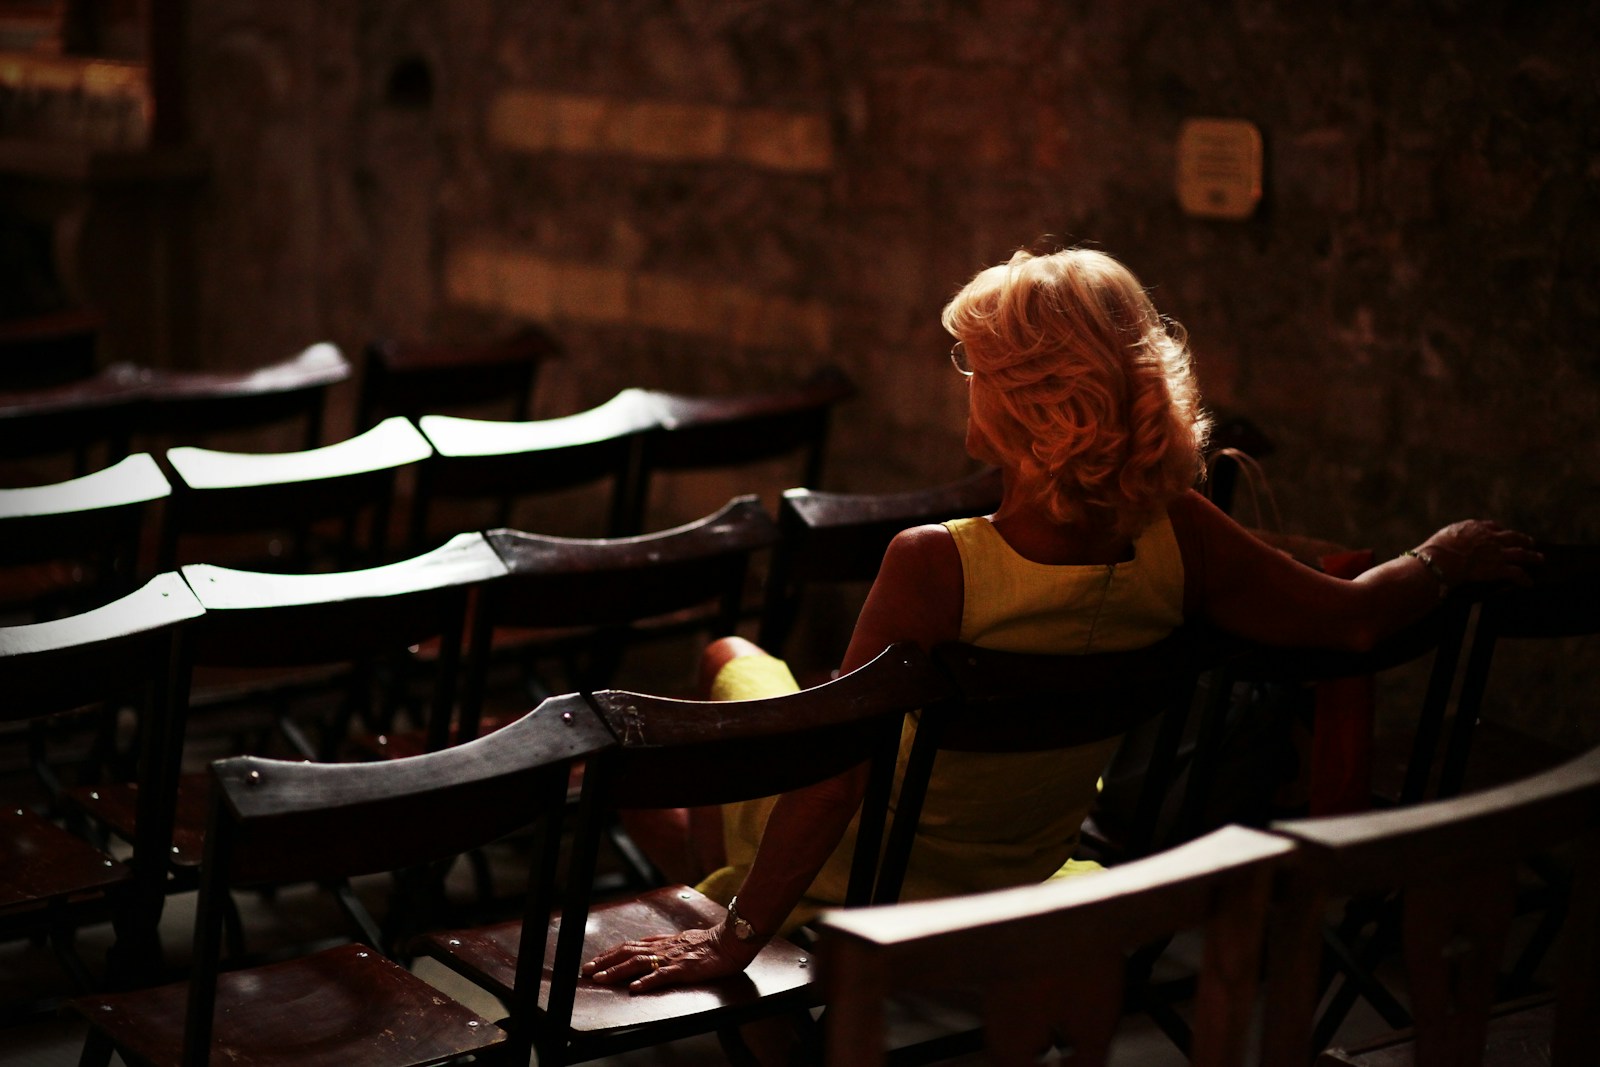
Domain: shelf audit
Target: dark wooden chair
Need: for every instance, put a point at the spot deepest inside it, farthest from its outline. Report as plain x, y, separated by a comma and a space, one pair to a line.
125, 653
417, 379
583, 602
674, 753
1046, 962
708, 433
1562, 602
834, 538
349, 1006
72, 545
50, 349
1368, 923
1454, 864
258, 621
187, 407
485, 461
247, 504
86, 422
1018, 703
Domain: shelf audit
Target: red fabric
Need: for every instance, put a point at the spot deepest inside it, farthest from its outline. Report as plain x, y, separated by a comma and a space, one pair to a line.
1341, 736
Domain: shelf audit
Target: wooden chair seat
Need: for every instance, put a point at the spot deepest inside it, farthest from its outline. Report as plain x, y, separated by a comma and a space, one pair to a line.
296, 1014
488, 956
273, 821
1518, 1036
40, 860
115, 805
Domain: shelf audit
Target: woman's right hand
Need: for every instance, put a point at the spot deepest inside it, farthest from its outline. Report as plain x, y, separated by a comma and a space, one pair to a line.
1481, 551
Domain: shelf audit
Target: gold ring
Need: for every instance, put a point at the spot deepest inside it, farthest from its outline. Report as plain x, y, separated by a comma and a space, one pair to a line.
654, 961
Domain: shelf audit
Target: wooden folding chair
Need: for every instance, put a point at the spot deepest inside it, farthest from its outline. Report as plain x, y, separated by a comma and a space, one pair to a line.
1046, 962
478, 460
1562, 602
1454, 864
49, 349
87, 421
698, 433
248, 503
837, 538
256, 620
125, 653
583, 602
350, 1006
674, 753
417, 379
1019, 703
186, 407
76, 544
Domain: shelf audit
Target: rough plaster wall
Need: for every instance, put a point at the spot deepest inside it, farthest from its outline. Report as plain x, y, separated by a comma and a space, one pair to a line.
1411, 316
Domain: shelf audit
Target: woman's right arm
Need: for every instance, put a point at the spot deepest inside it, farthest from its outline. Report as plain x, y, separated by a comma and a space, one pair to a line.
1248, 588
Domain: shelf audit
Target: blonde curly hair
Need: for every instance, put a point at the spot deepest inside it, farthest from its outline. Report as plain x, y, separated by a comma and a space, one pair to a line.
1077, 377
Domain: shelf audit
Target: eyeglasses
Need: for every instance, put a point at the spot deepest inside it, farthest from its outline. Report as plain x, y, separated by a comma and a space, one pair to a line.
958, 356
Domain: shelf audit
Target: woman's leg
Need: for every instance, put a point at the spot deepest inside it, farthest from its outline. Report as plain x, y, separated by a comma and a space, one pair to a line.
685, 844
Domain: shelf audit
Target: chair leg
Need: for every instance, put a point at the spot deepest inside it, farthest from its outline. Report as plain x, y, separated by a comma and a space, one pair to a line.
97, 1049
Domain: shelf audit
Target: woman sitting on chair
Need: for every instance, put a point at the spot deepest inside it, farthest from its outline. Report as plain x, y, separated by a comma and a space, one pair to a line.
1083, 395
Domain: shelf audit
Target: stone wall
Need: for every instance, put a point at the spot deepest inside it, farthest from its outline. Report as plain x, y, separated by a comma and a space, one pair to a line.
710, 195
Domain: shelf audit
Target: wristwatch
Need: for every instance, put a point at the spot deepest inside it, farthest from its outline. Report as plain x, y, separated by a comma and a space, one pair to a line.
740, 925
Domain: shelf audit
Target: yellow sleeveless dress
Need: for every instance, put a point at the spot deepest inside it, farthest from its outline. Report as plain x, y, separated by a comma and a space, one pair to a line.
991, 820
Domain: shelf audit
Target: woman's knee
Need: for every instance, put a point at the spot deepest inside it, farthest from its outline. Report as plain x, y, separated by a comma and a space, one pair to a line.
721, 652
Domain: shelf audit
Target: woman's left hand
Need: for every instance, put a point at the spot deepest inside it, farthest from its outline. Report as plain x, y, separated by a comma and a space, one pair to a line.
671, 959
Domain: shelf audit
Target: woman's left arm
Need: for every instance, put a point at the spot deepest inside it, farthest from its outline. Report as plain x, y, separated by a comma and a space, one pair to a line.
917, 596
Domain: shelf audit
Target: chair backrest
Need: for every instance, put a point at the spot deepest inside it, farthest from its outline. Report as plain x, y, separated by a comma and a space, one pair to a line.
184, 406
1562, 601
1455, 864
129, 650
688, 753
95, 522
1048, 960
625, 588
260, 619
73, 417
1438, 635
479, 459
50, 349
277, 820
239, 493
841, 537
417, 379
709, 433
1021, 702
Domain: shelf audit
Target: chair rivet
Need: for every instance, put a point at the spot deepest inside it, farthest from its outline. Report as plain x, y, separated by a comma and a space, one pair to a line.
254, 778
105, 1007
94, 795
455, 942
685, 896
110, 863
472, 1022
566, 717
804, 961
361, 955
19, 811
174, 850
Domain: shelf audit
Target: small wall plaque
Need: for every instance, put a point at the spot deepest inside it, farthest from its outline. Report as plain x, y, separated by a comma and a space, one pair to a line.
1219, 168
